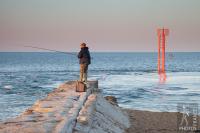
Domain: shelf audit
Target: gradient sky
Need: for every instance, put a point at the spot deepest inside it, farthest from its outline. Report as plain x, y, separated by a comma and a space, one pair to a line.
105, 25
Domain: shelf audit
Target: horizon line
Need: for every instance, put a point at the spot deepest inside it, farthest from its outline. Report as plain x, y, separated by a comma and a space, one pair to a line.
100, 52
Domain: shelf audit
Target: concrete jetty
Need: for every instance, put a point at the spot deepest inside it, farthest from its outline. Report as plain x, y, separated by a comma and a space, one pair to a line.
66, 111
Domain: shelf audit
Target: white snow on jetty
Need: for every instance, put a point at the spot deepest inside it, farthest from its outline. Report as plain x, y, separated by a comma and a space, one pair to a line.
66, 111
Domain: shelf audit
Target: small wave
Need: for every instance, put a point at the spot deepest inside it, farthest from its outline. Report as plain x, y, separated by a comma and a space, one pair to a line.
176, 88
191, 94
8, 87
126, 101
123, 70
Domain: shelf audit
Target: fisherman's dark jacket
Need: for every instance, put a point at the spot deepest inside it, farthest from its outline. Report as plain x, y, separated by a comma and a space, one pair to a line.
84, 56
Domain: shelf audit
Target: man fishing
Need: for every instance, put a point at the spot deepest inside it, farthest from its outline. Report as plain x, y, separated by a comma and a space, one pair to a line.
84, 61
84, 57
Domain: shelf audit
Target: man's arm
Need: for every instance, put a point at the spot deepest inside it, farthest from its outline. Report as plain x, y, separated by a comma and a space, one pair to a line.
80, 54
89, 57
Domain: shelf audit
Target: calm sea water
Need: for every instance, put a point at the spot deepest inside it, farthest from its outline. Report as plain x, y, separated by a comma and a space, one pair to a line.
131, 77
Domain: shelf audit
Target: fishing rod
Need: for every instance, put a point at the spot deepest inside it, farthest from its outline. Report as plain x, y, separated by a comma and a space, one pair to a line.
49, 50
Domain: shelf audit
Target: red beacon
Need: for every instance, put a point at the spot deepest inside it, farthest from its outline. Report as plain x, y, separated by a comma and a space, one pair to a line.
162, 33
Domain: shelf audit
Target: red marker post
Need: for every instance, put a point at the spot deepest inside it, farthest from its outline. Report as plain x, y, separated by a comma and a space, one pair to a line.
162, 33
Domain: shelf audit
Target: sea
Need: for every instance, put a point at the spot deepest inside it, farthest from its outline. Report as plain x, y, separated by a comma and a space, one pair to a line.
131, 77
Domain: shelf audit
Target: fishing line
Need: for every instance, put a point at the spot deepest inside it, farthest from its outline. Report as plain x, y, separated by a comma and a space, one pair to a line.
50, 50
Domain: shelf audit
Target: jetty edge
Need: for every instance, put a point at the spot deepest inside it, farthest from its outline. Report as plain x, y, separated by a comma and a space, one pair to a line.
66, 111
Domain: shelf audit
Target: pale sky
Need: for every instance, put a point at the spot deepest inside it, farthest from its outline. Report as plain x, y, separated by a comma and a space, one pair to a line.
105, 25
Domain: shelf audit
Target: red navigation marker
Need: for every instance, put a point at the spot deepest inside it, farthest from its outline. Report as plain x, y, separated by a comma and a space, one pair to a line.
162, 33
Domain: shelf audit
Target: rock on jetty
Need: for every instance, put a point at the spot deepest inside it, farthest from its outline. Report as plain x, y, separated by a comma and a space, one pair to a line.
66, 111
